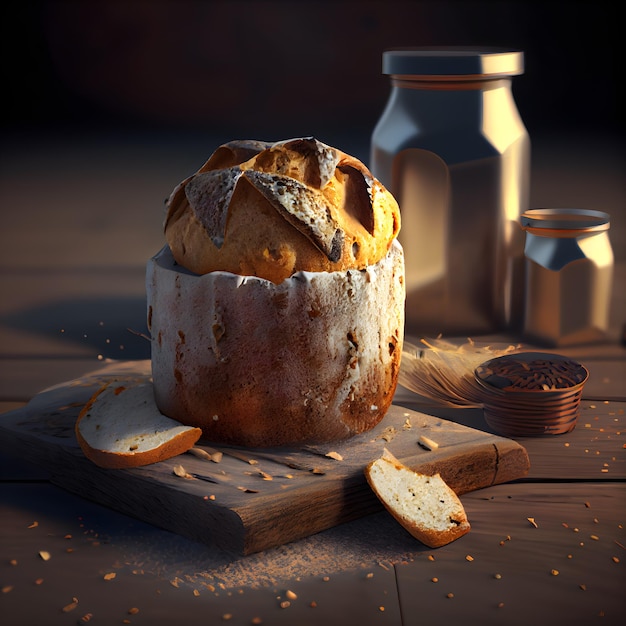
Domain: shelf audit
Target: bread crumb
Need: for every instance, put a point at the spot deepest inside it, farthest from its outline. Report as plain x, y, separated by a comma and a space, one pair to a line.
179, 470
334, 455
71, 606
427, 443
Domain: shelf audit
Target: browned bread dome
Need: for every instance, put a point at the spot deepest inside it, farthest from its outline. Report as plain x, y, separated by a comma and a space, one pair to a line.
272, 209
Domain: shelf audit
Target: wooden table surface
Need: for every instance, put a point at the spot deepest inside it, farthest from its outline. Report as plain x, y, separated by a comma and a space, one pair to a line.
79, 220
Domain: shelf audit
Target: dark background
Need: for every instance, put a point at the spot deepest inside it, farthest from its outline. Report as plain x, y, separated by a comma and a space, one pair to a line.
272, 70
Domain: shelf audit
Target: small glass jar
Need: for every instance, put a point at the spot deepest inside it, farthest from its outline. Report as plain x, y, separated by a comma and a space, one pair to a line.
569, 275
452, 148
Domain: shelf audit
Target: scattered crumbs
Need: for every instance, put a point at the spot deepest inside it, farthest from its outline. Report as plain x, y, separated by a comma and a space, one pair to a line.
615, 559
313, 604
133, 610
427, 443
285, 604
381, 608
594, 537
554, 572
214, 455
13, 562
431, 557
326, 579
469, 557
497, 576
290, 595
44, 555
256, 620
566, 445
110, 576
71, 606
7, 588
532, 521
33, 525
500, 605
434, 580
334, 455
407, 424
227, 616
39, 581
588, 505
369, 575
179, 470
388, 434
583, 587
449, 595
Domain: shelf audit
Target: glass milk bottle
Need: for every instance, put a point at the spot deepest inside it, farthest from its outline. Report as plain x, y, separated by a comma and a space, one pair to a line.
452, 148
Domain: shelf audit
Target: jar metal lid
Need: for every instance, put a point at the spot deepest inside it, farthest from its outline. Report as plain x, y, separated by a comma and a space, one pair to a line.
564, 222
453, 61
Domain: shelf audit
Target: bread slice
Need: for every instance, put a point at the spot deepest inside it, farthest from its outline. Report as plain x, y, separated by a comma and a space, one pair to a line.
121, 427
425, 505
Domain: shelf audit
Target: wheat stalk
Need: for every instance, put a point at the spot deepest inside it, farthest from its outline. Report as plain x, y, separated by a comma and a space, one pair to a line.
444, 372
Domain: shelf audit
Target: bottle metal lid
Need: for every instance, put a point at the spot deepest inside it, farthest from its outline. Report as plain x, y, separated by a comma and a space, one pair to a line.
453, 61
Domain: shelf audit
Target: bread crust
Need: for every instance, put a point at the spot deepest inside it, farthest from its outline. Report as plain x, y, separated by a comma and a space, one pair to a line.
319, 208
314, 358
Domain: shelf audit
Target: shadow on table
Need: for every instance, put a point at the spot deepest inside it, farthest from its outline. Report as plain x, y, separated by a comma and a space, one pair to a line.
114, 327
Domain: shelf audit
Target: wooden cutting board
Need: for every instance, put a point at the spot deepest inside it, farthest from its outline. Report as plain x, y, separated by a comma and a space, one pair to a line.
252, 499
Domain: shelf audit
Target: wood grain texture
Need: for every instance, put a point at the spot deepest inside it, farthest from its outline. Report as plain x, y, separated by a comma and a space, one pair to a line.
253, 499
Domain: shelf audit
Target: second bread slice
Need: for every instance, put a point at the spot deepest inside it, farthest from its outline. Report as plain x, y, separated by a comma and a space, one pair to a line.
426, 506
